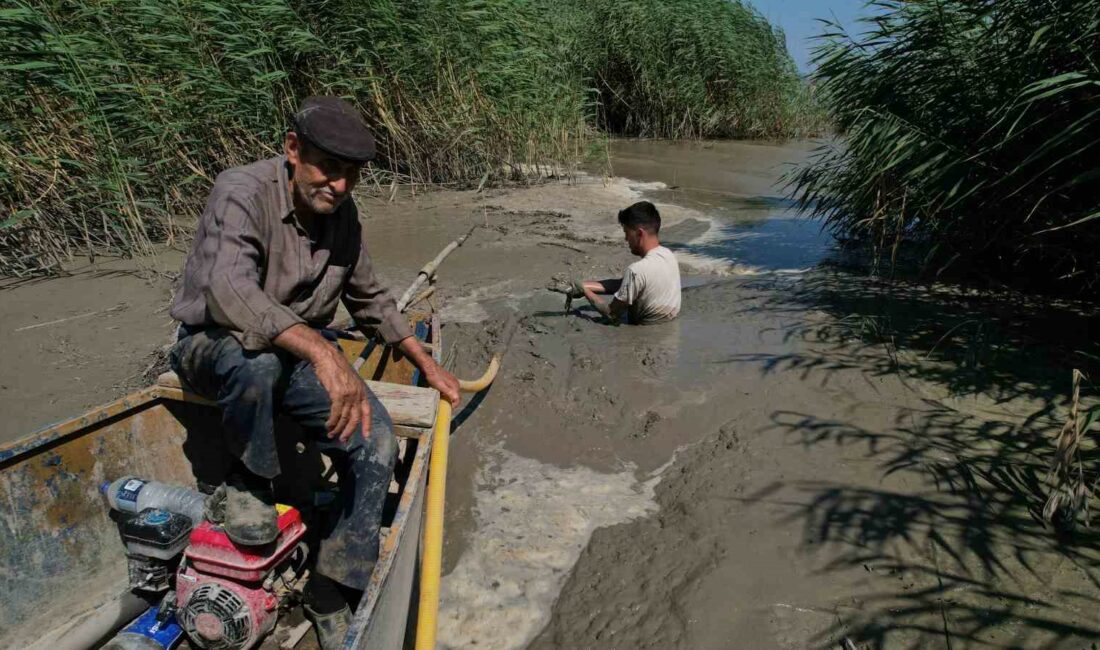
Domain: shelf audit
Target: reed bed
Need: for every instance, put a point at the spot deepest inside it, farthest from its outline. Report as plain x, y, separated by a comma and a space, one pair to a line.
969, 132
705, 68
117, 114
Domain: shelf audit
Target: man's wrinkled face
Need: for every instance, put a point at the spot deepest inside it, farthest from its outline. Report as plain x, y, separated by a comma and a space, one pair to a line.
634, 240
321, 181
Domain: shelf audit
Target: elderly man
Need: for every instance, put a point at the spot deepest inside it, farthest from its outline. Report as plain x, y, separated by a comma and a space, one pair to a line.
278, 246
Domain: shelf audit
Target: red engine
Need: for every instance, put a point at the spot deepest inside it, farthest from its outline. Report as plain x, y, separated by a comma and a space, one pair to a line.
227, 595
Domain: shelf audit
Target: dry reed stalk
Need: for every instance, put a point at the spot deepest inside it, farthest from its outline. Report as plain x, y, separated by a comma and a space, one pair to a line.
1069, 492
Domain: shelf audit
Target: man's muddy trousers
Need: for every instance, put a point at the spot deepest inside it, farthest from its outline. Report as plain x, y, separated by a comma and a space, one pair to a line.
252, 388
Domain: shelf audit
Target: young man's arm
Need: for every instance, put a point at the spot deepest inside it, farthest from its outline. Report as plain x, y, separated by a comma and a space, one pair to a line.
605, 287
591, 289
613, 311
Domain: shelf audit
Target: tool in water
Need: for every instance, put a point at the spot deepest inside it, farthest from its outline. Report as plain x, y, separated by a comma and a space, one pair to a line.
567, 287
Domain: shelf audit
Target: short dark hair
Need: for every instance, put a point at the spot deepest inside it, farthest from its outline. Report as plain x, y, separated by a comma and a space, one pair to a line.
642, 214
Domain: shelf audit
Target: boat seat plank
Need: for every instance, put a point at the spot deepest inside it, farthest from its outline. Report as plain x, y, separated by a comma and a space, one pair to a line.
408, 406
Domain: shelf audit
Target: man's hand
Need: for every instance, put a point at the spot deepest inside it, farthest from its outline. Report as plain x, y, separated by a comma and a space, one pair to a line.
613, 311
443, 381
348, 393
436, 376
346, 390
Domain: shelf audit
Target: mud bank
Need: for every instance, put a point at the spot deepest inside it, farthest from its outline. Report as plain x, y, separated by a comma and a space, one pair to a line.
833, 493
70, 343
819, 490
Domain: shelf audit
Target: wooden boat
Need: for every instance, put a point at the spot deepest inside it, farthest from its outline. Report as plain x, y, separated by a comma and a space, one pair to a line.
63, 572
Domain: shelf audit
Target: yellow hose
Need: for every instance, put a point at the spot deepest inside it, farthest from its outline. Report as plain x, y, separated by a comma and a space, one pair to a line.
482, 382
432, 561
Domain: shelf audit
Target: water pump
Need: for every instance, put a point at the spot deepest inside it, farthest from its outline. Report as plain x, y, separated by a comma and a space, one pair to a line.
154, 540
228, 596
156, 520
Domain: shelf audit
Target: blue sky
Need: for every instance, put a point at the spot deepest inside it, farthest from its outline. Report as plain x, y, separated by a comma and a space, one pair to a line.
798, 20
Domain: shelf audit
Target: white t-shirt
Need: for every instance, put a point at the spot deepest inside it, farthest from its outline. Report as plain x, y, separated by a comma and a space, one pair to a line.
651, 286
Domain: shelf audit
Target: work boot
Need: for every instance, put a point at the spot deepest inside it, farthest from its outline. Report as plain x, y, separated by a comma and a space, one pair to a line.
250, 518
331, 628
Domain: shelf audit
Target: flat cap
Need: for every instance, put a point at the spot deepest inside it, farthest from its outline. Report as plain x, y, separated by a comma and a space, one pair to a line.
334, 126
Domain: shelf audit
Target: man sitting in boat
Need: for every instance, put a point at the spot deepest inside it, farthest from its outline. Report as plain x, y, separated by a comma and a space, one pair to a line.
649, 291
278, 245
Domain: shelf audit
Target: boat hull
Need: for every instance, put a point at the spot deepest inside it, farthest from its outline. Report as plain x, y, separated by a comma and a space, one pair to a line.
62, 551
63, 571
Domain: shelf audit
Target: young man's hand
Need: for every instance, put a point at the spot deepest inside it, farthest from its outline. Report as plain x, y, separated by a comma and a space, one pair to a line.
573, 288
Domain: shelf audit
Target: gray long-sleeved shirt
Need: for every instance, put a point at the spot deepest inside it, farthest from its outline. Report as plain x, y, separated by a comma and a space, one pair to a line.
254, 269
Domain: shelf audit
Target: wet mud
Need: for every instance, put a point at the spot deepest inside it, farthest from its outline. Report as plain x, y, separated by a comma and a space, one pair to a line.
850, 463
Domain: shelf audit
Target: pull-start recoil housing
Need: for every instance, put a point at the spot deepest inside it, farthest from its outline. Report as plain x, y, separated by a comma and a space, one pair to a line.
227, 595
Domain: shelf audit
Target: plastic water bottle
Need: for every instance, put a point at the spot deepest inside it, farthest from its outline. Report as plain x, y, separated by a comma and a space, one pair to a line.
131, 494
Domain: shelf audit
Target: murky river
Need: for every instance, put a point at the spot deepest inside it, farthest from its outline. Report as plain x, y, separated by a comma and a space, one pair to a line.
752, 227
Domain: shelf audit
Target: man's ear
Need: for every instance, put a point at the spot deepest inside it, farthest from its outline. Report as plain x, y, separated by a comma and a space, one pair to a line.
292, 147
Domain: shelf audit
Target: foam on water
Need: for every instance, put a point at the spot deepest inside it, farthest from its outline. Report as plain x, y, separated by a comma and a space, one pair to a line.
778, 244
533, 521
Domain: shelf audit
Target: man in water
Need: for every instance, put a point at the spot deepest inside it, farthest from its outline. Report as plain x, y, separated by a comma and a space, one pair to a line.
279, 245
649, 291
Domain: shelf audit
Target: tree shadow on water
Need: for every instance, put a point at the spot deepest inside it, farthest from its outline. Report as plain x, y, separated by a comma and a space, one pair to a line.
951, 539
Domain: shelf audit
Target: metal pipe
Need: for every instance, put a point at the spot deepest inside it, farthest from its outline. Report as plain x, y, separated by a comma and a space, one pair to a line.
92, 628
429, 269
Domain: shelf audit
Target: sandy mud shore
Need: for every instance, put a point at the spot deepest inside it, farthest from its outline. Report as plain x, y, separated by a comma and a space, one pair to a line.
765, 472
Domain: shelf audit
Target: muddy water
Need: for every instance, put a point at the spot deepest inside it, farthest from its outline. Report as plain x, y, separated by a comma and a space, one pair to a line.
740, 169
749, 225
588, 418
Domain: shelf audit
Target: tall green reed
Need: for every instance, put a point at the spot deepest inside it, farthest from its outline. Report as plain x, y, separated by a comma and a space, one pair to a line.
697, 68
970, 130
117, 114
